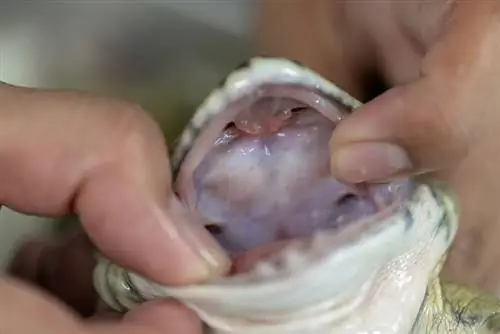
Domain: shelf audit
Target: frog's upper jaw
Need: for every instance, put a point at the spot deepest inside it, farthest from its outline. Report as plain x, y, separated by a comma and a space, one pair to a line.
248, 78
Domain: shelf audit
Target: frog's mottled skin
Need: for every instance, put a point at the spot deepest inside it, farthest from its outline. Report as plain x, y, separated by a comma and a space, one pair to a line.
453, 308
446, 307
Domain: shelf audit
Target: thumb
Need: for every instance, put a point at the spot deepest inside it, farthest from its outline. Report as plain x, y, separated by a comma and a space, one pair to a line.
409, 129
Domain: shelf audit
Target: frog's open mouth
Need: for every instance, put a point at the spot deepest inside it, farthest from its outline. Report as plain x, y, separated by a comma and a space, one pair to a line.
258, 174
309, 252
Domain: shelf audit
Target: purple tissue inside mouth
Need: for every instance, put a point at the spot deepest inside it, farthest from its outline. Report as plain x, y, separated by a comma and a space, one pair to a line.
265, 177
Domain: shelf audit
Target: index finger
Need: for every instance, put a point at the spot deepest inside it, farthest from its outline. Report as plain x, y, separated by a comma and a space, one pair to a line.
107, 161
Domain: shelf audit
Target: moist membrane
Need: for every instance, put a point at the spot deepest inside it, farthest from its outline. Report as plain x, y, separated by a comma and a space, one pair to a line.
275, 185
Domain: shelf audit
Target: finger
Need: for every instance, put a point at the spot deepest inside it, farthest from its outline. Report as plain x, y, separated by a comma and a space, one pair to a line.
107, 161
406, 130
430, 124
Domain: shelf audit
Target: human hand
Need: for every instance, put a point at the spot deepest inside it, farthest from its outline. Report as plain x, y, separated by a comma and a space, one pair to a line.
106, 160
439, 59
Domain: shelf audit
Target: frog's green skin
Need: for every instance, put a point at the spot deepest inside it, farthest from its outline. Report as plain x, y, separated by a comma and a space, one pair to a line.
439, 307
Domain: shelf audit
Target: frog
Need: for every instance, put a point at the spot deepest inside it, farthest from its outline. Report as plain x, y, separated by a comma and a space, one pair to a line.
310, 254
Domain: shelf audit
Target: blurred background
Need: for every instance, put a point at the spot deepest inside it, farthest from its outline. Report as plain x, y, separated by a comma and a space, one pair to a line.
165, 55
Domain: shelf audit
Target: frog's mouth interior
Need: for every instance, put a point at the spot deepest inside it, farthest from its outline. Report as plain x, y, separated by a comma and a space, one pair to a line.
259, 174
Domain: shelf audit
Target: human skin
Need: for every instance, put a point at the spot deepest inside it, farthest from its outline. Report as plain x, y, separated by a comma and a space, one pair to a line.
436, 63
106, 160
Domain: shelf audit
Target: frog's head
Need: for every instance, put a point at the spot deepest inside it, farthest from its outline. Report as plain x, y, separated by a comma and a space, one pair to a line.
254, 165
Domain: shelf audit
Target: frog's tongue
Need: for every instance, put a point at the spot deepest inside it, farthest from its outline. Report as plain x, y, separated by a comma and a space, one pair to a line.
265, 181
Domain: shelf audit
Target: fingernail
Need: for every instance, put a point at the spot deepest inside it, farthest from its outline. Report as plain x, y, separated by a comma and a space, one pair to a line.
191, 229
369, 161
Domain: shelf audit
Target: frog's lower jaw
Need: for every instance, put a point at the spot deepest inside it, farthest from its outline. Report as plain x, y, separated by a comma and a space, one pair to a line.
388, 303
335, 294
